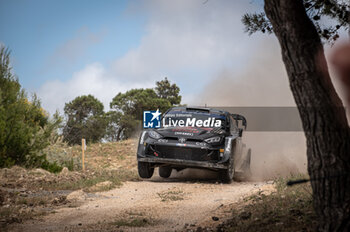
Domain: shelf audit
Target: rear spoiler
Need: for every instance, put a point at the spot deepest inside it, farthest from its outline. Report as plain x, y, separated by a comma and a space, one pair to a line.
239, 117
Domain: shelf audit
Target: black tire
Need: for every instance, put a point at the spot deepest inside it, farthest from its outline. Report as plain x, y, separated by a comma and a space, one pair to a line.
145, 170
165, 172
226, 175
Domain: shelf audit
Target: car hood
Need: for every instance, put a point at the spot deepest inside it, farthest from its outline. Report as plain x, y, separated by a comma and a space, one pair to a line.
190, 132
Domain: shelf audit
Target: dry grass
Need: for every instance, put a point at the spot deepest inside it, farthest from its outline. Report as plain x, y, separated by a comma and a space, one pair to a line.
25, 194
288, 209
173, 195
98, 156
134, 219
133, 222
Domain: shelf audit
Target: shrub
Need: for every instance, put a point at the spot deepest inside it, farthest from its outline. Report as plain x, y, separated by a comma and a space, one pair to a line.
25, 127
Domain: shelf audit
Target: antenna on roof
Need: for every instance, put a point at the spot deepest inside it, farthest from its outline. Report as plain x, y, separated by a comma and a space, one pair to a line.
205, 105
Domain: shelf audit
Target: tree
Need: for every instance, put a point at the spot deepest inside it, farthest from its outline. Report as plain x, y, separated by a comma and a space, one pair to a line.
316, 10
85, 119
135, 101
127, 108
168, 91
25, 127
112, 129
321, 111
130, 107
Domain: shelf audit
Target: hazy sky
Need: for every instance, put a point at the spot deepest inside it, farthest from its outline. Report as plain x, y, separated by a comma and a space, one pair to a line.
63, 49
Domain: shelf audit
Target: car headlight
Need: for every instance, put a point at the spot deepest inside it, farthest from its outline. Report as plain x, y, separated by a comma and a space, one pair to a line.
154, 135
213, 139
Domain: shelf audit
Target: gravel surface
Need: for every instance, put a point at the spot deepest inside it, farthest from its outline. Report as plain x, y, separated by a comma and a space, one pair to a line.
184, 202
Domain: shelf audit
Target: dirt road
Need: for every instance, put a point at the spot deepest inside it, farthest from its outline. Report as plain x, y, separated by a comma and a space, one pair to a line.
187, 200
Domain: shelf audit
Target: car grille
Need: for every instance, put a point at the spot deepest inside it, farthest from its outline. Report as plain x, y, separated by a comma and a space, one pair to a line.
184, 153
187, 139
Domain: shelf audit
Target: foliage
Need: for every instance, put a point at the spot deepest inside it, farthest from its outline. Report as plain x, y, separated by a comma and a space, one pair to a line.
316, 10
167, 91
51, 167
25, 127
130, 106
113, 120
256, 22
127, 108
135, 101
85, 119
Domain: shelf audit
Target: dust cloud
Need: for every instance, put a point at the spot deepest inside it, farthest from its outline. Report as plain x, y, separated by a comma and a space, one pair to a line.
276, 154
262, 82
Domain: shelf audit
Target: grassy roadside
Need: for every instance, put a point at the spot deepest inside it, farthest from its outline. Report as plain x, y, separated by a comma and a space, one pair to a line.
287, 209
29, 193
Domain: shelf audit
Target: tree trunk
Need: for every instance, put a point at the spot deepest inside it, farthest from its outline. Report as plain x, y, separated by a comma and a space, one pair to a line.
120, 129
321, 111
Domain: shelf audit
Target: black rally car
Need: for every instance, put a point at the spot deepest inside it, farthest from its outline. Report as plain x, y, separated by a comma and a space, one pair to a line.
195, 138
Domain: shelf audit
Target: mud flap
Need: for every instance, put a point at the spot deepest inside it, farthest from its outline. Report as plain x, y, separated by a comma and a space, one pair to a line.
242, 164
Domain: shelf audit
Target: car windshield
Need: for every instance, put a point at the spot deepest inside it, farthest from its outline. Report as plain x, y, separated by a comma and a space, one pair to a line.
193, 119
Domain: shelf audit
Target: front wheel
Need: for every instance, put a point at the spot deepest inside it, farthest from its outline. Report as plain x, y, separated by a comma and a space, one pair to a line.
226, 175
145, 170
165, 172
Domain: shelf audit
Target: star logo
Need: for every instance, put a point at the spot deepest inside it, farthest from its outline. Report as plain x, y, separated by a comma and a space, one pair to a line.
151, 119
156, 115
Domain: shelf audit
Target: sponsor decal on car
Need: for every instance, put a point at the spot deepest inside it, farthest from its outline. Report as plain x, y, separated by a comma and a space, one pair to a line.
183, 133
187, 129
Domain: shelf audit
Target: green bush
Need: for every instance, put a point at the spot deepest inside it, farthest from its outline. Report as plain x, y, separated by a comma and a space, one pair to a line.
25, 127
51, 167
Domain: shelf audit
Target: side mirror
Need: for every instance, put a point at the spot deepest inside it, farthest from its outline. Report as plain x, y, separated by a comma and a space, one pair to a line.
239, 117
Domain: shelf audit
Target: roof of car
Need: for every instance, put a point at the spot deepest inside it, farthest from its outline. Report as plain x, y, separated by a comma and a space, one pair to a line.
195, 108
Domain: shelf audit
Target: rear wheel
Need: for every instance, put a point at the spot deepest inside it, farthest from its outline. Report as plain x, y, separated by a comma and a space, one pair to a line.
145, 170
165, 172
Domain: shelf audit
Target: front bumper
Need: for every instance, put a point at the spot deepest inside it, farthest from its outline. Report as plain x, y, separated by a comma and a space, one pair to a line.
190, 154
